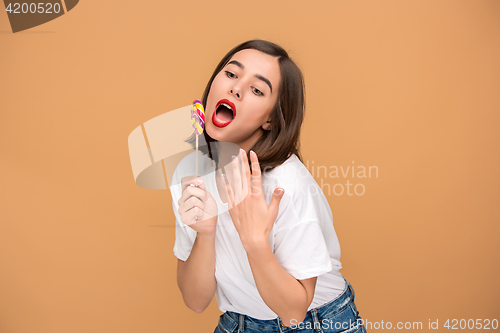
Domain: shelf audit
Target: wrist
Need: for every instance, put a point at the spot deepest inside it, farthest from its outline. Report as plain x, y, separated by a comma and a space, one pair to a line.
206, 228
257, 246
206, 237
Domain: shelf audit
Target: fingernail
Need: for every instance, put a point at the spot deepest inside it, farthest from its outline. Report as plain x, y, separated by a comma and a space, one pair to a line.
280, 191
233, 157
198, 181
252, 152
225, 178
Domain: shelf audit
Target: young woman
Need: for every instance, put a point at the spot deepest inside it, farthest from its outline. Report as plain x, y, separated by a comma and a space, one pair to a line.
255, 229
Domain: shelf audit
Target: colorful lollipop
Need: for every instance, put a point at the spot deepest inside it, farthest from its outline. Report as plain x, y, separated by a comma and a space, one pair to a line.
198, 123
198, 116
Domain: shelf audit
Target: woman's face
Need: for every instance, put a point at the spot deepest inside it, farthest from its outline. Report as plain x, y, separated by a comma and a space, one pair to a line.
241, 98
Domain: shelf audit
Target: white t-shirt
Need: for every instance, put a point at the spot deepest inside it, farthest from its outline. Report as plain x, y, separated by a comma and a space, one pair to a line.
303, 238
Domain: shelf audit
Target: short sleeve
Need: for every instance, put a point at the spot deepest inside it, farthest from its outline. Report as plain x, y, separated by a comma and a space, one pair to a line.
303, 222
302, 251
299, 242
184, 235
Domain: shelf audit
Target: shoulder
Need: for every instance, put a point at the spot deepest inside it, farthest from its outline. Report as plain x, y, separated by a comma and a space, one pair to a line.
187, 166
302, 192
303, 201
292, 176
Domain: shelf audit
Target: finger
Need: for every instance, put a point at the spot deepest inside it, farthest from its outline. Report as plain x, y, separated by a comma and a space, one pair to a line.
192, 191
275, 201
228, 191
256, 175
189, 204
193, 216
236, 178
223, 189
245, 174
187, 181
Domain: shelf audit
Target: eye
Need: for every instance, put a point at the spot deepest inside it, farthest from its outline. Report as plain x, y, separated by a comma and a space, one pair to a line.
230, 75
257, 92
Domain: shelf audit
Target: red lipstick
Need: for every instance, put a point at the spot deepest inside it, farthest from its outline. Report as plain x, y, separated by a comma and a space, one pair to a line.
228, 105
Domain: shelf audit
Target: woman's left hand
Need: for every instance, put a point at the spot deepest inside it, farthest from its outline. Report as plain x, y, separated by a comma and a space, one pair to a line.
253, 218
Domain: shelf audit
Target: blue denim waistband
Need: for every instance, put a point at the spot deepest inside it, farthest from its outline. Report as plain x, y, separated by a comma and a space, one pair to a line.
316, 315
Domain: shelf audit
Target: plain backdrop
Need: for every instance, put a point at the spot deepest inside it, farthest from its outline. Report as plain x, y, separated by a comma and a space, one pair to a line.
411, 87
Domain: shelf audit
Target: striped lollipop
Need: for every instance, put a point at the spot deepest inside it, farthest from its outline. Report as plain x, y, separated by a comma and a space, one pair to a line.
197, 116
198, 123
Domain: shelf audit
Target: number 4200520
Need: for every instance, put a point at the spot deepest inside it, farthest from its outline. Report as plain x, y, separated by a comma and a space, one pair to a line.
485, 324
32, 8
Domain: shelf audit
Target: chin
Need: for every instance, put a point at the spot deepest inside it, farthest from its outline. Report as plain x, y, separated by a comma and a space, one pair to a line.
212, 132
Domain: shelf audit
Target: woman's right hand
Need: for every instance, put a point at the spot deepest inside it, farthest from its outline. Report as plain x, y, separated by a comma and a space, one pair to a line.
197, 207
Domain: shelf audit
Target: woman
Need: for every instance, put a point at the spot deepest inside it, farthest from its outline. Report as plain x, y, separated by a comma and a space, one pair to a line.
271, 267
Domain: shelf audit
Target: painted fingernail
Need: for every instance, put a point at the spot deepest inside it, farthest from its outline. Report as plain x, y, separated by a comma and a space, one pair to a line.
198, 181
233, 157
252, 152
225, 178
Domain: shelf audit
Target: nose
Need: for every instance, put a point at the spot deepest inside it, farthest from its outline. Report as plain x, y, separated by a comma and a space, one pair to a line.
236, 91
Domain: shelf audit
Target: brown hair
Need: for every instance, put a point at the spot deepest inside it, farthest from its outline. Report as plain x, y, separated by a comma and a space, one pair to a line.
277, 144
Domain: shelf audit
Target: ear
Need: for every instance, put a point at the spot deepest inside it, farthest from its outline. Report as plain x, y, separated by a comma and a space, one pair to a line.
267, 125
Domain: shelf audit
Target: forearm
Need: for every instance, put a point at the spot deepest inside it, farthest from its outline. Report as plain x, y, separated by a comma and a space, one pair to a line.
196, 276
284, 294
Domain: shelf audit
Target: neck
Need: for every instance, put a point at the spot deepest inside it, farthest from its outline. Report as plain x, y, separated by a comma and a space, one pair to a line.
225, 154
251, 141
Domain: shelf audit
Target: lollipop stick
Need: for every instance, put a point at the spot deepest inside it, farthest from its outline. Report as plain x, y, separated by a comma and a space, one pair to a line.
196, 174
198, 122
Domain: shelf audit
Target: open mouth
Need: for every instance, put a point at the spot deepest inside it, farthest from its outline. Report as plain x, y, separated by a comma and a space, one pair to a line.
224, 113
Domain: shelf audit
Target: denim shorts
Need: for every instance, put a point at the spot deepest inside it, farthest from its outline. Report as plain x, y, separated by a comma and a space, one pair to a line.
338, 315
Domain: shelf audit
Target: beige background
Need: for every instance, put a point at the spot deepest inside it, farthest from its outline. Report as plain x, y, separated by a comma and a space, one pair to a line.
411, 87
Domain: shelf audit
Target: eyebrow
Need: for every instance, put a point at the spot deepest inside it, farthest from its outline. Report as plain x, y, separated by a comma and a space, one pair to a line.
260, 77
